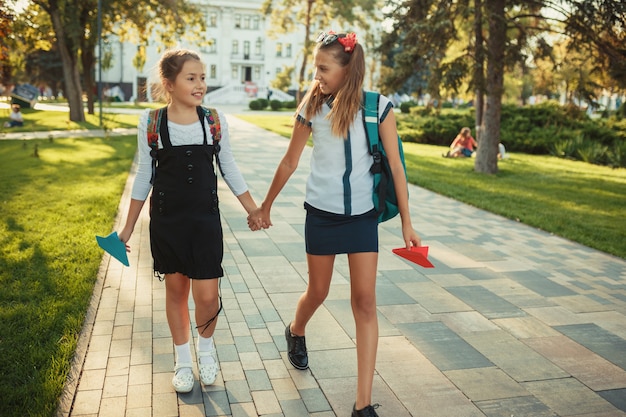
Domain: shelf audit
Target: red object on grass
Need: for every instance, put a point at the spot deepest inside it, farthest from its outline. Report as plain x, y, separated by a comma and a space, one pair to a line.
417, 255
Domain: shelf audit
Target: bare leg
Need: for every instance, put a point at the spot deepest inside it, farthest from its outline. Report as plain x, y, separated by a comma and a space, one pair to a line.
206, 297
363, 298
320, 274
176, 296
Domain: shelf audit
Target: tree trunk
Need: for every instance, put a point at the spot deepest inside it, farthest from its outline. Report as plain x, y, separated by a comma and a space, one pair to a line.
88, 60
305, 58
487, 154
479, 67
71, 75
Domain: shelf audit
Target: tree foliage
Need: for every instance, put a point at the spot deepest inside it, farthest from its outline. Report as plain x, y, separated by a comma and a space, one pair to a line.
288, 16
598, 28
74, 35
5, 31
499, 36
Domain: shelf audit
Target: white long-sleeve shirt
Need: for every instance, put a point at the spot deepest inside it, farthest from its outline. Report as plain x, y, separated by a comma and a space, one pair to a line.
191, 134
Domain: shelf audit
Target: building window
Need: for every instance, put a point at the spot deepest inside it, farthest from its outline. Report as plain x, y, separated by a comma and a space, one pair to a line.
246, 49
235, 47
235, 72
288, 50
238, 21
246, 22
212, 49
257, 46
212, 20
279, 49
257, 73
255, 22
278, 70
213, 71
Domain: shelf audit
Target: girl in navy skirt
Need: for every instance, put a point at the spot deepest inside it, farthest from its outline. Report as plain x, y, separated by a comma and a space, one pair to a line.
185, 229
340, 214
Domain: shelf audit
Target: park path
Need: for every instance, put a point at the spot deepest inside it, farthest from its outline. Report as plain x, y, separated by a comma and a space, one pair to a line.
512, 321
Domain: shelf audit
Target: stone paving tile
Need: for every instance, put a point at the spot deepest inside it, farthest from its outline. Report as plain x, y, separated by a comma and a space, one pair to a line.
518, 407
434, 298
514, 357
443, 347
525, 327
599, 341
481, 384
568, 397
486, 302
512, 321
583, 364
617, 397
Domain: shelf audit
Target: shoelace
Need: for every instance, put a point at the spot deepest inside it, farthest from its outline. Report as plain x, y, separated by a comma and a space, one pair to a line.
370, 411
300, 345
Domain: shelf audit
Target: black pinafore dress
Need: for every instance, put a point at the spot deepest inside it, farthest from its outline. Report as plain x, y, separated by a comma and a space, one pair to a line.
185, 227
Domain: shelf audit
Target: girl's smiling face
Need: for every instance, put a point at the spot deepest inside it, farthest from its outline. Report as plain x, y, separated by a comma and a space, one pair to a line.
329, 74
189, 87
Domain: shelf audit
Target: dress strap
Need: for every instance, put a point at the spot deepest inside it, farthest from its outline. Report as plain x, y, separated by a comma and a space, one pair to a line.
164, 131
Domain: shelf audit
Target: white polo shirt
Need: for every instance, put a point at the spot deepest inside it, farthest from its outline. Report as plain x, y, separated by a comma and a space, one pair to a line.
340, 180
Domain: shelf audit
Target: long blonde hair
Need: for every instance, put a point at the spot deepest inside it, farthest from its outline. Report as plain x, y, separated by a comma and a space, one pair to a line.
348, 99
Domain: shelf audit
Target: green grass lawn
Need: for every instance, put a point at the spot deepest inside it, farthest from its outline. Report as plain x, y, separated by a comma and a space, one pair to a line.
578, 201
51, 207
44, 120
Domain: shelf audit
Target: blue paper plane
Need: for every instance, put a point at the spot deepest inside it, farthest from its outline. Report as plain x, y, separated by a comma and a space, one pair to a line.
114, 246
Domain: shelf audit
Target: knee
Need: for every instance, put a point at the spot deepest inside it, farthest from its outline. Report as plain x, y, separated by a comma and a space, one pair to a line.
317, 295
178, 292
206, 299
364, 304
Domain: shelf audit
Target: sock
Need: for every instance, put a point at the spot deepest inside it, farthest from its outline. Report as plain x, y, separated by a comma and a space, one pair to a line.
183, 353
205, 344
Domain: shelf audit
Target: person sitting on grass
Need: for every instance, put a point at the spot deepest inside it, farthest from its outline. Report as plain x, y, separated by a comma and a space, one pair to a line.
463, 145
15, 118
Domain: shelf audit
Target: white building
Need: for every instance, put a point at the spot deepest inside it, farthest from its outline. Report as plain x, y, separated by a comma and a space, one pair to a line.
241, 60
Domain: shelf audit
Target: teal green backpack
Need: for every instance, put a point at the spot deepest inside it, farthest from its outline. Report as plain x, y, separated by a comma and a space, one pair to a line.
384, 194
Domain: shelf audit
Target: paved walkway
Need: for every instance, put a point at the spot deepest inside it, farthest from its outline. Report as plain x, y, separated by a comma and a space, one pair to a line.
512, 321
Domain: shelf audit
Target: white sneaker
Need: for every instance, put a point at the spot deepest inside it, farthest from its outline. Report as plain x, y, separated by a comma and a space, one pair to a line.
183, 379
208, 366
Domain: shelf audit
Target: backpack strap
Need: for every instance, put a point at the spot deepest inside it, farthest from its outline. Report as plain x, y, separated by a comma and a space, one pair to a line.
214, 123
154, 122
215, 127
370, 122
370, 119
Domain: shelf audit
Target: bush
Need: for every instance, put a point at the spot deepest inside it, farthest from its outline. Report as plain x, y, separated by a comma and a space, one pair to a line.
276, 104
290, 104
547, 128
263, 102
443, 129
256, 105
616, 156
422, 111
406, 106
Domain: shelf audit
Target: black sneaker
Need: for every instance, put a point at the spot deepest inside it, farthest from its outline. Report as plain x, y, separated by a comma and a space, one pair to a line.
365, 412
296, 349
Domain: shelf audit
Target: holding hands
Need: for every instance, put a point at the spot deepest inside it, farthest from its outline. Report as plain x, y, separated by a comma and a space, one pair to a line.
259, 219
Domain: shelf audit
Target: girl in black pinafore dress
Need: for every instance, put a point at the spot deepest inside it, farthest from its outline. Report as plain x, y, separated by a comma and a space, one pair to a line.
185, 227
185, 230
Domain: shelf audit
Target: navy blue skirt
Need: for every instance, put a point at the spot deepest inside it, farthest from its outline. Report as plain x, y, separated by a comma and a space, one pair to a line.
330, 234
